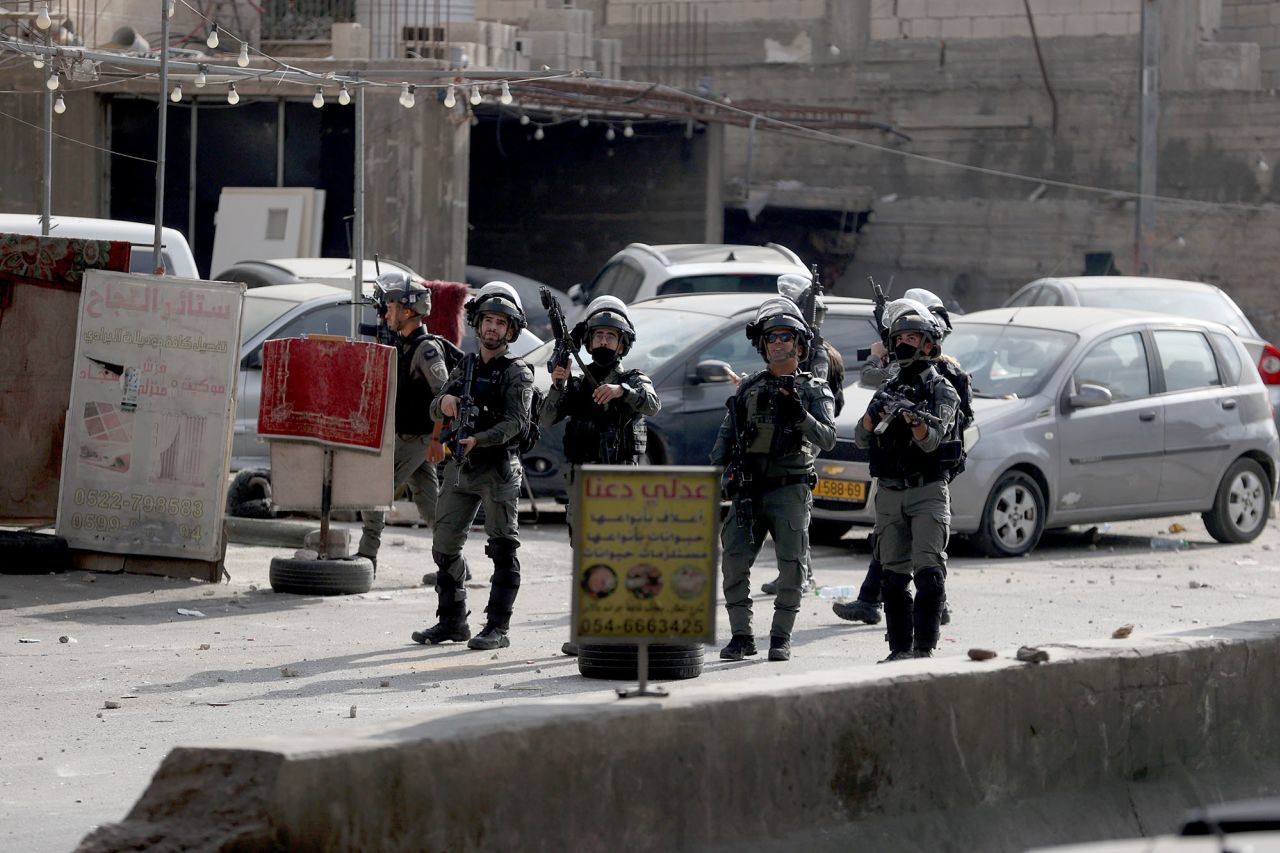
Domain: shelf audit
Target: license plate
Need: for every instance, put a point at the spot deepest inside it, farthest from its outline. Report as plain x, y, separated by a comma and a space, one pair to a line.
840, 490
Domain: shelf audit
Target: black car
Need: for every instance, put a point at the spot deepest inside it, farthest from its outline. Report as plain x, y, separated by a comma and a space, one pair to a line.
683, 343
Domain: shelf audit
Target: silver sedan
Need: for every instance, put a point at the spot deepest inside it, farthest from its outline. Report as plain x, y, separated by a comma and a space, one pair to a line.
1086, 415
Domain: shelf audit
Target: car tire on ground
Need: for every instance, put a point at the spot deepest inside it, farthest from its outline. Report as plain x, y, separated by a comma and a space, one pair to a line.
26, 553
1240, 507
619, 662
321, 577
1013, 517
825, 531
249, 495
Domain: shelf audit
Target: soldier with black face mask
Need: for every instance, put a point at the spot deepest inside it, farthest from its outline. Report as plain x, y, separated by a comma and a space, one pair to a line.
607, 406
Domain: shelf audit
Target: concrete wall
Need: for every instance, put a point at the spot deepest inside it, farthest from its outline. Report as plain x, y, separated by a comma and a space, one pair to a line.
1255, 21
966, 19
944, 755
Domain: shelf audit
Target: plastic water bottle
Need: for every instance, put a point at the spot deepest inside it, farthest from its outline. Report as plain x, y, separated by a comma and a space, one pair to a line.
1164, 543
845, 591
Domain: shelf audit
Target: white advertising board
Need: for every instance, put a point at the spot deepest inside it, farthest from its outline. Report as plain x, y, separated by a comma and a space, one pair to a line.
148, 437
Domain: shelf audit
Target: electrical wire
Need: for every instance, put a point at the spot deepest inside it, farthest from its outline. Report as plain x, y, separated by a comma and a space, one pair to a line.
76, 141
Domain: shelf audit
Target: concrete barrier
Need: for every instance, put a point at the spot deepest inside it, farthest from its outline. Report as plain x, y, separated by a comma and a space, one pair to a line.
1109, 738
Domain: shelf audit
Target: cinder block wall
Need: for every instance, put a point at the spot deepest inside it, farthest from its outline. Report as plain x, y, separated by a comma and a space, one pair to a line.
1255, 21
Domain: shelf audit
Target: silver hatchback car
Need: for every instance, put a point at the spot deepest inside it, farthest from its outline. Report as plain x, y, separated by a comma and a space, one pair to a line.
1085, 415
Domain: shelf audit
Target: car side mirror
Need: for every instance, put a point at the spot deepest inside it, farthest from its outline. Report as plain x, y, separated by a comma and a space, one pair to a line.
252, 361
712, 370
1090, 396
576, 295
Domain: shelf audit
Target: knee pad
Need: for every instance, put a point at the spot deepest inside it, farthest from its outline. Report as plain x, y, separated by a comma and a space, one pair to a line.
930, 585
445, 581
506, 565
896, 588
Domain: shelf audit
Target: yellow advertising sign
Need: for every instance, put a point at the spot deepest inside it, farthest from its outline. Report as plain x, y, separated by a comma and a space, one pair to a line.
646, 549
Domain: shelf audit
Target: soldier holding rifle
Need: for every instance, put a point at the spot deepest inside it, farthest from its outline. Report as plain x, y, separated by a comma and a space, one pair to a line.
777, 420
487, 401
606, 405
912, 431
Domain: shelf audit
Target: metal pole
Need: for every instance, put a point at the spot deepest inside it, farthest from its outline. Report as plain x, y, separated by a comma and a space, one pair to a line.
157, 257
357, 227
46, 191
1149, 111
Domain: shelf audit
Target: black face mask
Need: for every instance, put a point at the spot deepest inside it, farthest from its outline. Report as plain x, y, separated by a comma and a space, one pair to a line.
604, 356
904, 351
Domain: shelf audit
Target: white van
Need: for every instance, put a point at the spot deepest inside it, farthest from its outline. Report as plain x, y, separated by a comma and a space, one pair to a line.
178, 259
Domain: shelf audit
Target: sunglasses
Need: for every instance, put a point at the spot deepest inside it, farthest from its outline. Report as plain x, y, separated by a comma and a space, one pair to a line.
779, 337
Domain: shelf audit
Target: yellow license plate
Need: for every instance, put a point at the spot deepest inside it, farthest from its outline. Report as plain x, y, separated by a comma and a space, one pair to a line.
840, 490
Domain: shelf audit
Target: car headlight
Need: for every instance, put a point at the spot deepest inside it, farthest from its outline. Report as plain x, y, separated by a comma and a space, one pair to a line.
971, 436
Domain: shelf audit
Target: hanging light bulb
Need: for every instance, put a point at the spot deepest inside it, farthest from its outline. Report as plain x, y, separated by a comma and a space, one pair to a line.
233, 97
475, 95
212, 40
59, 106
176, 94
344, 97
38, 62
52, 82
243, 59
450, 99
201, 79
610, 135
43, 21
627, 130
318, 100
538, 134
524, 119
505, 97
406, 96
584, 122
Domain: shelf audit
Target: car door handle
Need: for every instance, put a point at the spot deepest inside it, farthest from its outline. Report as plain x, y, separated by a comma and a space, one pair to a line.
1228, 404
1146, 416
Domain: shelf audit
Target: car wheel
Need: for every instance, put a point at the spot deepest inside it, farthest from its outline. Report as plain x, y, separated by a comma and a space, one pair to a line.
321, 577
25, 553
824, 531
1013, 517
249, 495
1240, 509
620, 662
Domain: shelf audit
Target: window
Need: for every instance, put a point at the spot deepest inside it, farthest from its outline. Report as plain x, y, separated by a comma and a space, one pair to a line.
736, 349
848, 335
1119, 365
722, 283
1024, 298
1231, 363
329, 320
621, 279
1187, 359
1048, 296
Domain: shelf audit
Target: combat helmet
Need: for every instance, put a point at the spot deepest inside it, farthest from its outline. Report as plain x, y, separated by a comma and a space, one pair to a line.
496, 297
605, 312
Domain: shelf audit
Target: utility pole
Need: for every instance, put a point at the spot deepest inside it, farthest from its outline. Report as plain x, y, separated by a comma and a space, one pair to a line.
1148, 123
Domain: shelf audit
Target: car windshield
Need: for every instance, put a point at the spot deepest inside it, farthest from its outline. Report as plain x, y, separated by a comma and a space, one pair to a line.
720, 283
660, 334
1200, 304
260, 312
1005, 360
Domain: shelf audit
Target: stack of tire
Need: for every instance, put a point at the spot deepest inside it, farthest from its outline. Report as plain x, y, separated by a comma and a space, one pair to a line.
620, 663
23, 552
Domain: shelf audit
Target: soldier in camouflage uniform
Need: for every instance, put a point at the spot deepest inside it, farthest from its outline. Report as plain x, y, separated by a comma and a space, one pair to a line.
779, 418
487, 472
423, 366
913, 460
607, 407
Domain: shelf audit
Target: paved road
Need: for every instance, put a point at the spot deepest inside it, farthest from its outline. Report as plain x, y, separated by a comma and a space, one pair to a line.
68, 763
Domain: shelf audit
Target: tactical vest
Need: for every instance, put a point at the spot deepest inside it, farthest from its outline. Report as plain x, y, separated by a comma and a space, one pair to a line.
894, 455
413, 393
757, 414
604, 435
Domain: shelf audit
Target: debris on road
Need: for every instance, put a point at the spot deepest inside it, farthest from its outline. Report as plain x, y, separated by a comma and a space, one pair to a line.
203, 647
65, 639
1197, 585
1122, 632
1177, 528
288, 673
1030, 654
1247, 561
982, 654
353, 712
384, 683
110, 705
182, 611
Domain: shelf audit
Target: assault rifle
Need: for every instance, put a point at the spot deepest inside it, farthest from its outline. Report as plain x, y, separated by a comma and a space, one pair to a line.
564, 348
897, 404
878, 313
464, 424
736, 484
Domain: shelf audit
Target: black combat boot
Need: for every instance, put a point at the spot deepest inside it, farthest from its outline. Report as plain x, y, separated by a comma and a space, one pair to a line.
857, 611
502, 595
779, 648
491, 637
931, 596
452, 610
897, 615
740, 646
